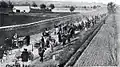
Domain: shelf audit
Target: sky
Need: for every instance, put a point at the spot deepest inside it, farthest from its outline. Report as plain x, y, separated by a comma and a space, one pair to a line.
98, 1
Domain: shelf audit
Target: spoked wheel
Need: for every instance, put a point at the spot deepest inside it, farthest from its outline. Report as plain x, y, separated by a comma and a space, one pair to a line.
8, 65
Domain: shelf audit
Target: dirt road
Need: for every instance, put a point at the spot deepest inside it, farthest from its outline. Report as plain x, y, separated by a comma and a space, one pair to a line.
117, 18
102, 51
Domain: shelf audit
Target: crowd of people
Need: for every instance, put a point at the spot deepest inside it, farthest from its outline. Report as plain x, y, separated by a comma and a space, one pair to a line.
64, 32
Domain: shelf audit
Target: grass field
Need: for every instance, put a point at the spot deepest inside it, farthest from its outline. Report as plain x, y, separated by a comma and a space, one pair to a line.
24, 18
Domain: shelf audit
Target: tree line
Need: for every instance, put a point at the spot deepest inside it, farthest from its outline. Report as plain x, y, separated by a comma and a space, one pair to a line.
43, 6
4, 4
94, 6
52, 6
111, 7
9, 4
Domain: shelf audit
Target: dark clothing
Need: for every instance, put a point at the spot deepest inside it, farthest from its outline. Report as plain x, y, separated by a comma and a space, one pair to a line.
42, 39
55, 26
89, 24
43, 34
47, 43
1, 53
93, 22
86, 25
64, 39
59, 37
25, 56
80, 27
5, 48
60, 29
42, 42
27, 39
65, 28
68, 38
41, 53
47, 33
71, 31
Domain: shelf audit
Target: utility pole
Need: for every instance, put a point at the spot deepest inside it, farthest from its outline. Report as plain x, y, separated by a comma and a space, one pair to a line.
1, 17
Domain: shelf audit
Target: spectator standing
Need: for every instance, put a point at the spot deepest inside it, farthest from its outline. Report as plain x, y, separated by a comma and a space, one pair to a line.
41, 53
25, 57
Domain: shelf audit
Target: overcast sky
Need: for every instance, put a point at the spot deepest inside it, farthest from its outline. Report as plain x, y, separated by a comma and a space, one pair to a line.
98, 1
103, 1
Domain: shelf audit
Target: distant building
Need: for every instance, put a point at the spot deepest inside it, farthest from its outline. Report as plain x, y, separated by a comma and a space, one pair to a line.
39, 10
30, 9
25, 9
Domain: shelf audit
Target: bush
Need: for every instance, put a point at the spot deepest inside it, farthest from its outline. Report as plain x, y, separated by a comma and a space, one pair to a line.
34, 4
72, 8
52, 6
42, 6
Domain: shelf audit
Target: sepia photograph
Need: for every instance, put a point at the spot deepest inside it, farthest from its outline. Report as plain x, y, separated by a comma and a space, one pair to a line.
59, 33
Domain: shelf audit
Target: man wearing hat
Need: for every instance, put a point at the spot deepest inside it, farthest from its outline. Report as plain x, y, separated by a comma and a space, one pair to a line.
25, 57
